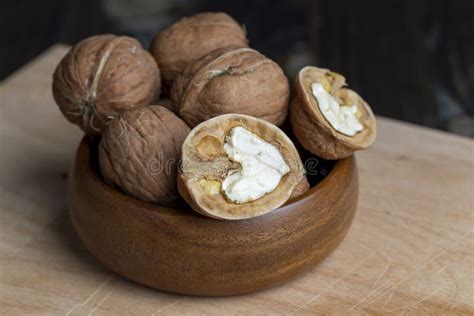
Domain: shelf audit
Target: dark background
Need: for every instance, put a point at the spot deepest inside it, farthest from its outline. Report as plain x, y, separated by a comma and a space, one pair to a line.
411, 60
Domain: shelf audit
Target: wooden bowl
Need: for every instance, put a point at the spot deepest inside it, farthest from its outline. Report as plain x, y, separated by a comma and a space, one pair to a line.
178, 250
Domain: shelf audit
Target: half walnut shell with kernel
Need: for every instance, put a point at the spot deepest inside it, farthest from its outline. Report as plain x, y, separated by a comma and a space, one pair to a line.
237, 166
328, 119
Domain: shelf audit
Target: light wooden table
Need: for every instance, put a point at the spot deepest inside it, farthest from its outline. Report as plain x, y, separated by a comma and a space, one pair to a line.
410, 249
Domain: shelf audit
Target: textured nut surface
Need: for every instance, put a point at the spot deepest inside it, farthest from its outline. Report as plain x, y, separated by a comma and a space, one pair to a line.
191, 38
231, 80
205, 165
310, 127
300, 188
102, 76
140, 150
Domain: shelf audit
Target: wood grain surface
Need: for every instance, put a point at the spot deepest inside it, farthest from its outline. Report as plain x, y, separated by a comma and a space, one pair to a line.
410, 249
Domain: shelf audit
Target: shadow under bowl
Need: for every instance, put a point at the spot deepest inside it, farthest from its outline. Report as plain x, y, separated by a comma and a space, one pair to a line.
180, 251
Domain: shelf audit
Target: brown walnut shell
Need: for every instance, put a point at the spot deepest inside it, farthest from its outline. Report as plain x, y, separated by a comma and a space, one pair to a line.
203, 159
102, 76
140, 150
231, 80
312, 129
301, 188
193, 37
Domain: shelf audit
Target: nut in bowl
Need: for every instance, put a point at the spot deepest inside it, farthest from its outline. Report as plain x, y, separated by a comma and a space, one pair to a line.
236, 166
231, 80
240, 214
103, 76
181, 44
139, 153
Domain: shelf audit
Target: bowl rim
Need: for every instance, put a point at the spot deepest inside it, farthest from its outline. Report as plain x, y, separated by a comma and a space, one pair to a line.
85, 160
302, 233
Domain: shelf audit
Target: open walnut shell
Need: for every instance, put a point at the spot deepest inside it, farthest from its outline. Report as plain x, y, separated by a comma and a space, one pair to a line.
140, 150
191, 38
300, 188
206, 166
231, 80
102, 76
310, 126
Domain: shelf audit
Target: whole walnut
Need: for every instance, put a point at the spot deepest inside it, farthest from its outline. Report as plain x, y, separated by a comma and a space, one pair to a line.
102, 76
191, 38
231, 80
140, 150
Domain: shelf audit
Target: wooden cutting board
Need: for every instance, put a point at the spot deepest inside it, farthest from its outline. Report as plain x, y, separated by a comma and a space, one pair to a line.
410, 249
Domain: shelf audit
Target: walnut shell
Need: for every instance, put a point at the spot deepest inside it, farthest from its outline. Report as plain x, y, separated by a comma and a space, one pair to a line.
204, 161
312, 129
231, 80
102, 76
140, 150
193, 37
300, 188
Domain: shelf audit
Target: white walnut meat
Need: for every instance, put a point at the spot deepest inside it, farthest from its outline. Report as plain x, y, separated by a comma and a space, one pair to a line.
328, 119
102, 76
231, 80
189, 39
139, 153
237, 166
